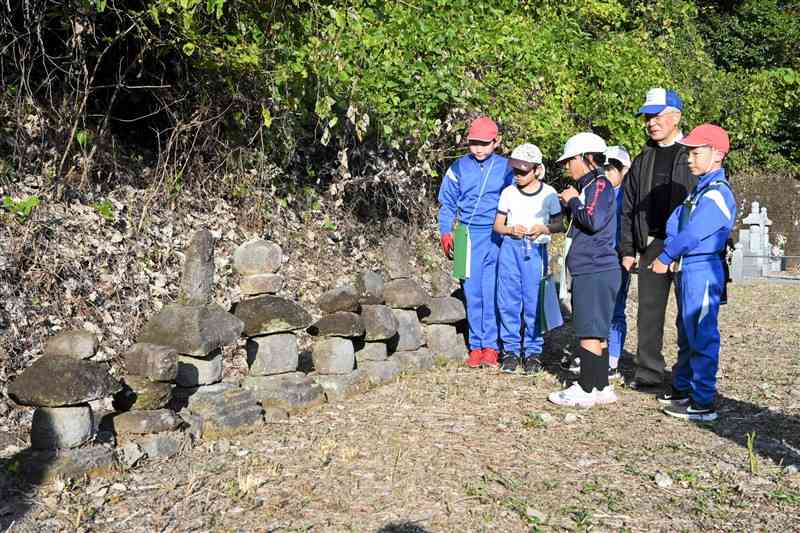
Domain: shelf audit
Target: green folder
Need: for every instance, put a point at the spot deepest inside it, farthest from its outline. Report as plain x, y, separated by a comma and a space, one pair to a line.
461, 255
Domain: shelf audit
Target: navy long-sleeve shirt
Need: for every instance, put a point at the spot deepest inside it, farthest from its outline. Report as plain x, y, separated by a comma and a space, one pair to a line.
594, 226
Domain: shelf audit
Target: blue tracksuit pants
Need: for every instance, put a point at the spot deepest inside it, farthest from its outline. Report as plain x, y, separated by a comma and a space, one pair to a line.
520, 268
479, 288
619, 325
698, 286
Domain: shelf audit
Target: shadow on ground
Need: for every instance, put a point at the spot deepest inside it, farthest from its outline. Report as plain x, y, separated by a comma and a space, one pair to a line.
402, 527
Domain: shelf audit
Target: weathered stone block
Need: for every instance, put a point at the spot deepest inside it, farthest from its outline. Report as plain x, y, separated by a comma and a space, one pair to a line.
192, 330
292, 391
447, 310
194, 371
272, 354
339, 324
225, 407
396, 252
409, 331
41, 466
379, 322
380, 372
57, 381
404, 294
445, 341
257, 257
141, 422
141, 393
369, 286
163, 445
77, 343
197, 283
342, 385
333, 355
343, 298
159, 363
264, 315
442, 284
61, 427
261, 284
420, 359
372, 351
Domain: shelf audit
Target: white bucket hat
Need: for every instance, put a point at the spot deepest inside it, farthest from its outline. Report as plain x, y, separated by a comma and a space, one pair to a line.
583, 143
620, 154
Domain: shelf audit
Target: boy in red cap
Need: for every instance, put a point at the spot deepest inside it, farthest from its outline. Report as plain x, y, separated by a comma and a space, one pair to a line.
469, 193
694, 249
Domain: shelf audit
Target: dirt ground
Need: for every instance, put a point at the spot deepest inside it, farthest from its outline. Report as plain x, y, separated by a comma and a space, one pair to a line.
456, 449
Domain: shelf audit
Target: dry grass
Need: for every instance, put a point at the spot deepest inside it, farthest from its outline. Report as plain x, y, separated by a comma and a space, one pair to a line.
461, 450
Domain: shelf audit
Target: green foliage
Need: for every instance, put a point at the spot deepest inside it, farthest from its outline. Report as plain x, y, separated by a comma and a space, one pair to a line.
105, 209
323, 89
21, 208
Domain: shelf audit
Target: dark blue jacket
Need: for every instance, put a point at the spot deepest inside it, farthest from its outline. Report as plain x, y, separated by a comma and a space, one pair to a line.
461, 188
594, 226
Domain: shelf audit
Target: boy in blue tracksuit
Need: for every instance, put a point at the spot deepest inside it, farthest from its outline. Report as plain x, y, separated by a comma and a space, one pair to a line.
470, 192
618, 162
696, 235
524, 215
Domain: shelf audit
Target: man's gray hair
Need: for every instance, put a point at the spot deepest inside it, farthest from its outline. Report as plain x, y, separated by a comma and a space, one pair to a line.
670, 109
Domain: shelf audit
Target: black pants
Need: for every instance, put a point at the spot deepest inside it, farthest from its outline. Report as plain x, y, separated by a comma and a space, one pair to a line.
653, 297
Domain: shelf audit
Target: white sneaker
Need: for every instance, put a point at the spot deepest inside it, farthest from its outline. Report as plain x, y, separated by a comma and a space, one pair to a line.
606, 395
574, 396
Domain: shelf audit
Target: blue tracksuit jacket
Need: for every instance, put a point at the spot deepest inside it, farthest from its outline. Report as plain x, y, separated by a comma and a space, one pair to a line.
594, 227
470, 191
696, 235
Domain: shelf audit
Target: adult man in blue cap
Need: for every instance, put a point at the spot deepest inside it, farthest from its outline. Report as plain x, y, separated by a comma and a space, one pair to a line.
658, 181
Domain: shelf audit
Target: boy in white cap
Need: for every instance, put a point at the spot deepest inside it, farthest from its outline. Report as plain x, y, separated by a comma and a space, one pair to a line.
593, 262
523, 213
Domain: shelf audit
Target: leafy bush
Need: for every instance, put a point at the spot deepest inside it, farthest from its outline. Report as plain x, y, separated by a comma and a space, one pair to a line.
367, 100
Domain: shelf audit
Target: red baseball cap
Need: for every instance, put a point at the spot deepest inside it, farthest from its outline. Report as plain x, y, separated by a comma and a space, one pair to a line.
708, 135
482, 129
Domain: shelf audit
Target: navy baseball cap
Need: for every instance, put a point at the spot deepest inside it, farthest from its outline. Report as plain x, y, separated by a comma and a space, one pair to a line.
659, 99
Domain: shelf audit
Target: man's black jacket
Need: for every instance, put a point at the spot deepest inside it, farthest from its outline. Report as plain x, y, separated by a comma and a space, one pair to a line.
636, 191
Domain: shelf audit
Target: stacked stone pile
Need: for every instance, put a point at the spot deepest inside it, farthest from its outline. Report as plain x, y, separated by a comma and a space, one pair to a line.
60, 385
184, 343
441, 316
333, 352
270, 323
144, 426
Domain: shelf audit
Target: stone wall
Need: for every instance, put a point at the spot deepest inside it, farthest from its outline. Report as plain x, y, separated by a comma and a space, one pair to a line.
372, 328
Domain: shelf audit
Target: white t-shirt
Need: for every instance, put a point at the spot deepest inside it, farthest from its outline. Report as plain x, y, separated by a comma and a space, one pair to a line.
527, 209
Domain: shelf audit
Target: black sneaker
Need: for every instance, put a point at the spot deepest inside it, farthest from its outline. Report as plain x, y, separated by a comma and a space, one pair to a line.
691, 412
614, 374
646, 387
532, 365
510, 362
673, 397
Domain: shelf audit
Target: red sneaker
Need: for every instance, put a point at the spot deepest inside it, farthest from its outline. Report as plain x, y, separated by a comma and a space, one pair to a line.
475, 358
490, 358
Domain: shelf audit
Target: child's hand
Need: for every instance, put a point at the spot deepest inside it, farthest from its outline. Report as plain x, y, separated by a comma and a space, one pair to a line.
538, 229
518, 230
568, 194
658, 267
